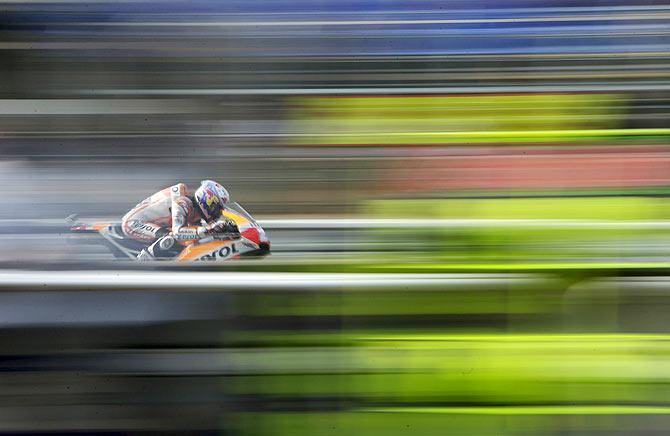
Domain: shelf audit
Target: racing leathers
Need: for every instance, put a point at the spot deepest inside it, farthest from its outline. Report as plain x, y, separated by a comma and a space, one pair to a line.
163, 217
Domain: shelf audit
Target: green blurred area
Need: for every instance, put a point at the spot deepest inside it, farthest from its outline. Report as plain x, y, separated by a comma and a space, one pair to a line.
529, 230
431, 423
458, 119
510, 355
515, 370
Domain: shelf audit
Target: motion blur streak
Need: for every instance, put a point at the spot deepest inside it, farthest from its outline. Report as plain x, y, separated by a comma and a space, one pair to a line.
467, 203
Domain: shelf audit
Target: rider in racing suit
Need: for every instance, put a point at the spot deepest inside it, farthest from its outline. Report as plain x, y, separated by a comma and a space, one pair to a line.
172, 214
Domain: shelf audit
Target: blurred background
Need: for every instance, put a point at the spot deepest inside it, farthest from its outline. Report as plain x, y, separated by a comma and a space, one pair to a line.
467, 202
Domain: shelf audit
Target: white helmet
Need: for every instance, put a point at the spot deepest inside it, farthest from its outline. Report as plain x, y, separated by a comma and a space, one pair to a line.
211, 197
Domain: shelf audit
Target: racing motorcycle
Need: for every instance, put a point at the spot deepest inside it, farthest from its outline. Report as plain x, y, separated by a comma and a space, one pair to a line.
248, 239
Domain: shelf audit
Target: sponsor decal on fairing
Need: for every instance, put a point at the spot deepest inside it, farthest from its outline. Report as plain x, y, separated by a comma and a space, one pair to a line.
220, 253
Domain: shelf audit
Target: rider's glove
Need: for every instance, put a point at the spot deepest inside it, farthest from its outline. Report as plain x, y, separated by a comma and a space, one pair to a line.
231, 227
226, 226
216, 227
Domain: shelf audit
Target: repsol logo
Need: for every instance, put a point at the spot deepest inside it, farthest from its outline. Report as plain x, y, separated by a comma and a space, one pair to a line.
222, 253
137, 225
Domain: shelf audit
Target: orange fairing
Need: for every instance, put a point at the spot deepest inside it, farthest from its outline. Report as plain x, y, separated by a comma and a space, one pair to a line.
211, 251
194, 251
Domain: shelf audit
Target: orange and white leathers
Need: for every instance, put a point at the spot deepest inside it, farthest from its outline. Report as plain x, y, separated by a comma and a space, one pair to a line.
170, 210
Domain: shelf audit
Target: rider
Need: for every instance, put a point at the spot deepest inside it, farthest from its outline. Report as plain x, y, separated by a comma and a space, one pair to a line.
172, 214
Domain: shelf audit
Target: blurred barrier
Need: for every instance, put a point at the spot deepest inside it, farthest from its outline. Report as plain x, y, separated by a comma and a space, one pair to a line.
397, 223
166, 280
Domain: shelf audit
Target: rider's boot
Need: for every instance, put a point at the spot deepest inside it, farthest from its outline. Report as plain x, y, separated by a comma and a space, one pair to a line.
144, 256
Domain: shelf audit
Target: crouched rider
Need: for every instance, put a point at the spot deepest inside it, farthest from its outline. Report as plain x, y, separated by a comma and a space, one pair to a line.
172, 214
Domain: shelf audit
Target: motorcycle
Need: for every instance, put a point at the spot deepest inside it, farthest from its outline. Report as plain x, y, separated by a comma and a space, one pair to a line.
250, 240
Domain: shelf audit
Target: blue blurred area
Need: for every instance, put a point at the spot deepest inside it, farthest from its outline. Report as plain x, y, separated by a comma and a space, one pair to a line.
359, 28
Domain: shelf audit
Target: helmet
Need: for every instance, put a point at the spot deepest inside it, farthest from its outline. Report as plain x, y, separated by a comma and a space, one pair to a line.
211, 197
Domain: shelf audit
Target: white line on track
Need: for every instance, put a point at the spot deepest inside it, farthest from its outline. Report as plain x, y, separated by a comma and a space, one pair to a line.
457, 223
199, 280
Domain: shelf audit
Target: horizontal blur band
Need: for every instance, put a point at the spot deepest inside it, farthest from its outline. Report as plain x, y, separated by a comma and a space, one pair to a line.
203, 280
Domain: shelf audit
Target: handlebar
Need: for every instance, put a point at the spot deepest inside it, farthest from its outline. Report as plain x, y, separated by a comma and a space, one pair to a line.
224, 235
